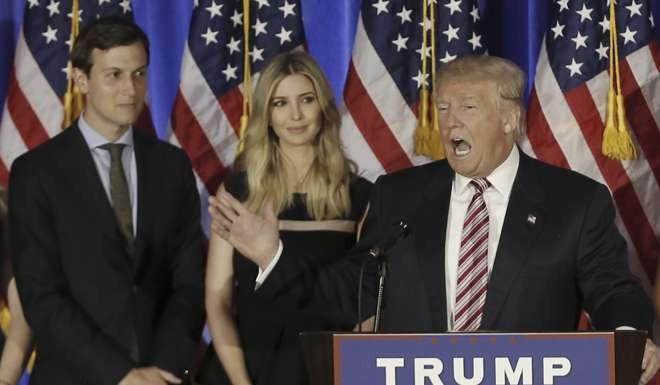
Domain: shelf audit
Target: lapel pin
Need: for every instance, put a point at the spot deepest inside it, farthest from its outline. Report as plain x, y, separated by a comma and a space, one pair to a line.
531, 219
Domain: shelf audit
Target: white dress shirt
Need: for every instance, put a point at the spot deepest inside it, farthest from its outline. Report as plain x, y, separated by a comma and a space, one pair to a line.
102, 161
497, 199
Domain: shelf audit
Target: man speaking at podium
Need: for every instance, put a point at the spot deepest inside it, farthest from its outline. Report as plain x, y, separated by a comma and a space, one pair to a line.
495, 240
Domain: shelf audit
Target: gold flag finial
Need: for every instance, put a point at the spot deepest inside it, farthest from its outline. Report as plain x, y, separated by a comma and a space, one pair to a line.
73, 99
617, 143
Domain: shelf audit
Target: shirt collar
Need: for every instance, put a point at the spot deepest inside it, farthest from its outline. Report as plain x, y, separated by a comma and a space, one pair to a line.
501, 179
94, 139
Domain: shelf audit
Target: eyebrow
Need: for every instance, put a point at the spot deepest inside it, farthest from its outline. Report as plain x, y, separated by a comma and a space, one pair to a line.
299, 95
144, 67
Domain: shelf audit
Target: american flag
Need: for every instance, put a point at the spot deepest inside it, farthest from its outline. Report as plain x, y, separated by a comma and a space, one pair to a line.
381, 95
567, 109
33, 109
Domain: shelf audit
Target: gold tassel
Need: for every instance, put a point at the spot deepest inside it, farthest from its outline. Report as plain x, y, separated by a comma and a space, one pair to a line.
73, 99
617, 143
427, 134
247, 77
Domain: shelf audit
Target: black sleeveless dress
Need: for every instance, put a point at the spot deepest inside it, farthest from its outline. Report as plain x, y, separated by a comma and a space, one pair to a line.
268, 318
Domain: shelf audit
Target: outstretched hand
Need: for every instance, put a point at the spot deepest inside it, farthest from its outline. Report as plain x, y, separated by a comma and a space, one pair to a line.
254, 236
650, 362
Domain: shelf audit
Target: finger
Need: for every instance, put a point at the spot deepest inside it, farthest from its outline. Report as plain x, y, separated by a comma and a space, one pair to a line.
220, 190
227, 198
227, 213
169, 377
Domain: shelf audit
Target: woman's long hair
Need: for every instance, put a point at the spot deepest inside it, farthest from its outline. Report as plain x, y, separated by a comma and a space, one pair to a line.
326, 184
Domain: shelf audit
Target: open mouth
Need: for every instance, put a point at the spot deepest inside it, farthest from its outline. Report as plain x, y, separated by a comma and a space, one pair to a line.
460, 147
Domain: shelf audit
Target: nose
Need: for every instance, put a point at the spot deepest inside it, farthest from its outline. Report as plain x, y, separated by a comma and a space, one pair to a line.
129, 86
296, 111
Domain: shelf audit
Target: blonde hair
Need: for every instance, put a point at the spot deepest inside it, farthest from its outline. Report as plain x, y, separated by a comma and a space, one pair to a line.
327, 182
508, 77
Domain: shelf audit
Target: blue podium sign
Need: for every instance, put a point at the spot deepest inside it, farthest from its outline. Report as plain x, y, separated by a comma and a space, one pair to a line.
473, 359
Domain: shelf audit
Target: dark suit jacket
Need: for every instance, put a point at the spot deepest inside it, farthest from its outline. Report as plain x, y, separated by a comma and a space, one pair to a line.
559, 252
84, 297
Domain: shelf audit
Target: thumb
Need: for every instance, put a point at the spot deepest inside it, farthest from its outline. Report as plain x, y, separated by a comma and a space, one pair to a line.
268, 211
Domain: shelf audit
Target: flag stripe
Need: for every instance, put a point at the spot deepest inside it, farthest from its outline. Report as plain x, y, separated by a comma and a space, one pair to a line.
541, 137
24, 117
4, 174
374, 129
45, 103
562, 122
357, 148
193, 140
634, 218
205, 107
640, 116
232, 105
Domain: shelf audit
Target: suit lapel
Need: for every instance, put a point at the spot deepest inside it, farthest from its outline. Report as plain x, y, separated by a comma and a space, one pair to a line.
145, 186
89, 191
430, 224
522, 224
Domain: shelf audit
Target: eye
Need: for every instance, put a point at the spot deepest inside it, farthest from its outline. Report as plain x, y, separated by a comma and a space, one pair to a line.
278, 103
309, 99
443, 107
140, 73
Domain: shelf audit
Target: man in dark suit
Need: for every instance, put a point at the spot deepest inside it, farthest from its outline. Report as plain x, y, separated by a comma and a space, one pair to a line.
496, 240
107, 245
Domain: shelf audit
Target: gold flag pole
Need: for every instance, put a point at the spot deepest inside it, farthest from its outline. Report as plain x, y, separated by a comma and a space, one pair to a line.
435, 144
73, 99
247, 76
422, 132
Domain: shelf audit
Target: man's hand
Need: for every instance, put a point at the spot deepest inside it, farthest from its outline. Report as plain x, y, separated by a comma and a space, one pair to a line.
149, 376
650, 362
254, 236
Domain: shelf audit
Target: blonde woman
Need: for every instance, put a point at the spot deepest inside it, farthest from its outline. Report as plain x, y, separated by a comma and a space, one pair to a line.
292, 172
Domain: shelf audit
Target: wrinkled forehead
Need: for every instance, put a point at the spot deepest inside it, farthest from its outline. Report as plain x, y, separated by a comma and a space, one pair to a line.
464, 87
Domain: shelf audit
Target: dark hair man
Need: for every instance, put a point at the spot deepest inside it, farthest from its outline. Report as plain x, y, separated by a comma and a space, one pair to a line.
107, 245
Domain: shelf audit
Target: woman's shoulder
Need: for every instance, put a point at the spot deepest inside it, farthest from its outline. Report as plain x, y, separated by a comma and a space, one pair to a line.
236, 184
360, 189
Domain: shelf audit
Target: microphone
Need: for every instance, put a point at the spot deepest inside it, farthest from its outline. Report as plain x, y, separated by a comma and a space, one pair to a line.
399, 230
379, 253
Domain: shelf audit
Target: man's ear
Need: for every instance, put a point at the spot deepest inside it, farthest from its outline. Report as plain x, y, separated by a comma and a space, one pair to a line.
511, 119
81, 80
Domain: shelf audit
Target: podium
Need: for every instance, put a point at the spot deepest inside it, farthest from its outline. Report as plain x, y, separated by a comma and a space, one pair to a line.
595, 358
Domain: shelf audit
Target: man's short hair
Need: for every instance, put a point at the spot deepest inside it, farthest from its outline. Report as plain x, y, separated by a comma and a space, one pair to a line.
508, 77
105, 33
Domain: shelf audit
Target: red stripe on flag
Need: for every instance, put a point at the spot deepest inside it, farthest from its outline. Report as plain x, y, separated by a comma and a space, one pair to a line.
25, 119
4, 175
540, 135
641, 119
372, 125
631, 211
194, 141
232, 104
